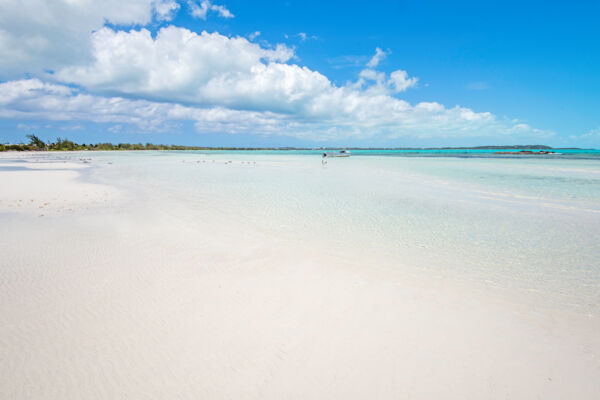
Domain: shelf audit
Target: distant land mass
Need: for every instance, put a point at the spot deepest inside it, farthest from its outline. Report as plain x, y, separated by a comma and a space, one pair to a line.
527, 147
512, 147
36, 144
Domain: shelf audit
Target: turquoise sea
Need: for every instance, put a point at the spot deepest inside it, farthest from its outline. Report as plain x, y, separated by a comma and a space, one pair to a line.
526, 224
452, 152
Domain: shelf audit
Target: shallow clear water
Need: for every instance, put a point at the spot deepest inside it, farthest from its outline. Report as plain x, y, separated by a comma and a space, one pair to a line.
527, 224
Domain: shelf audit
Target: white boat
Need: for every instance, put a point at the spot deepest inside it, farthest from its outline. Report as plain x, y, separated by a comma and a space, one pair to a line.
342, 153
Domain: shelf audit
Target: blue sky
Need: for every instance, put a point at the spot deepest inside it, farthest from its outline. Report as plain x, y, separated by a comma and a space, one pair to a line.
302, 73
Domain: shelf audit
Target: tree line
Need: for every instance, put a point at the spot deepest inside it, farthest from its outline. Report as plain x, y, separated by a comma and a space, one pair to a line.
37, 144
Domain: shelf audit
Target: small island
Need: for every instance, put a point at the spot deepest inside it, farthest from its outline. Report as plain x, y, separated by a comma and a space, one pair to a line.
526, 152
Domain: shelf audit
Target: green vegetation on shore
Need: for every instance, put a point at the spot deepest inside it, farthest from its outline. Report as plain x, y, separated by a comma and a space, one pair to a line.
36, 144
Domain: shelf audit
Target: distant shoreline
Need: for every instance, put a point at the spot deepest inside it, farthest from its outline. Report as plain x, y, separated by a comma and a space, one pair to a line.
66, 145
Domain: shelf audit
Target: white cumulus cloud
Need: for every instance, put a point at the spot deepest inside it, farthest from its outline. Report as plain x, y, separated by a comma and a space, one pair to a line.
201, 9
179, 65
122, 74
338, 114
38, 35
399, 81
379, 55
207, 68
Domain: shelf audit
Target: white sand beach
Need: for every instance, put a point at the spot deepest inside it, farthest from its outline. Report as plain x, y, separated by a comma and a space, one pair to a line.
110, 290
49, 187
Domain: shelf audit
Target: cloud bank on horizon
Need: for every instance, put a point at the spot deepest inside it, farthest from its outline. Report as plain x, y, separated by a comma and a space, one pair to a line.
86, 61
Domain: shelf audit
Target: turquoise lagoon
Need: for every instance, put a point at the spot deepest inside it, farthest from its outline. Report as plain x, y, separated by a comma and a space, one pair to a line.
525, 225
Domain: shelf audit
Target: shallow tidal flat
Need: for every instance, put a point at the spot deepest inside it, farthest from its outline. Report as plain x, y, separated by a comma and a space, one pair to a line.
248, 275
